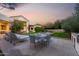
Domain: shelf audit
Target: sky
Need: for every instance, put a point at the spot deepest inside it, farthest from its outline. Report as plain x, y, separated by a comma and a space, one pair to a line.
41, 13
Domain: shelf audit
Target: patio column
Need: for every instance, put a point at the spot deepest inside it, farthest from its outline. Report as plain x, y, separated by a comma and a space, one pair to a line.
0, 26
7, 27
27, 27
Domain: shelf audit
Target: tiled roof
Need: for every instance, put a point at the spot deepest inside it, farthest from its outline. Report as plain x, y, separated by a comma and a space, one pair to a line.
11, 19
20, 17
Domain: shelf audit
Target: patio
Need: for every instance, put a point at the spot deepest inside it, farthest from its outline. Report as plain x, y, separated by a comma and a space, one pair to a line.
57, 47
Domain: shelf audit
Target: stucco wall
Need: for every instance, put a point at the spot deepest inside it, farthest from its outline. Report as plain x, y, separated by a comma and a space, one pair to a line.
7, 29
77, 47
74, 39
21, 18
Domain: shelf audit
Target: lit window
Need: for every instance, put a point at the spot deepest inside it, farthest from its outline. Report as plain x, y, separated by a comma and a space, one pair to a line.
3, 27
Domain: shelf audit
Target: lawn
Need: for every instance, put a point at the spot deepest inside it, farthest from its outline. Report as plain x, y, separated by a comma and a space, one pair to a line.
60, 34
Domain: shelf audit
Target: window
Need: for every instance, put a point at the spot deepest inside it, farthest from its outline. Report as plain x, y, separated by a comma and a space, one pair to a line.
31, 28
3, 27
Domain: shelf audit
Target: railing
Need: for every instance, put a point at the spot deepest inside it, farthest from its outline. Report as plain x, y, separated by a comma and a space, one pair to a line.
75, 39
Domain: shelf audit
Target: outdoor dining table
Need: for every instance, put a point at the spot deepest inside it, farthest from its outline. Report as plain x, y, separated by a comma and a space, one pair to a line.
40, 39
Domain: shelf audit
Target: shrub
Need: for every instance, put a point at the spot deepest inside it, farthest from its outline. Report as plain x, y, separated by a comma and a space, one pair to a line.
17, 26
40, 29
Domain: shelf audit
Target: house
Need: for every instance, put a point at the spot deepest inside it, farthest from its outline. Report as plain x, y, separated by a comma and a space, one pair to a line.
21, 18
6, 23
32, 27
37, 25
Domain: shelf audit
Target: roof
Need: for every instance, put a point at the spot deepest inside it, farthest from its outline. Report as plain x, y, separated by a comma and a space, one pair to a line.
4, 17
22, 18
11, 19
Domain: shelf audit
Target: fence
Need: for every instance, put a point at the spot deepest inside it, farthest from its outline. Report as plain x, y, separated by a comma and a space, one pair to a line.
55, 30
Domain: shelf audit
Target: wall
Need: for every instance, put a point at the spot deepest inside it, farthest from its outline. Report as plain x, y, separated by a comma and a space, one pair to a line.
74, 39
21, 18
55, 30
7, 25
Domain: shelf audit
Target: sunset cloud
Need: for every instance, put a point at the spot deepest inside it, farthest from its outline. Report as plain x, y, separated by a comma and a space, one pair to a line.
41, 12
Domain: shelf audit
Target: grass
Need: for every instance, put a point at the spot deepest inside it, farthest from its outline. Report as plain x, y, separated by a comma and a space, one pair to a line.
60, 34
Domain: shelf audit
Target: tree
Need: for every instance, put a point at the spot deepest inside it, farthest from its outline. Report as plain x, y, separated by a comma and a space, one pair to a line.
17, 26
57, 25
67, 24
77, 10
49, 26
71, 24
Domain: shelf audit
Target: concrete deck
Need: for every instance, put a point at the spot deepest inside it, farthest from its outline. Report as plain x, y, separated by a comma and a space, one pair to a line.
57, 47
